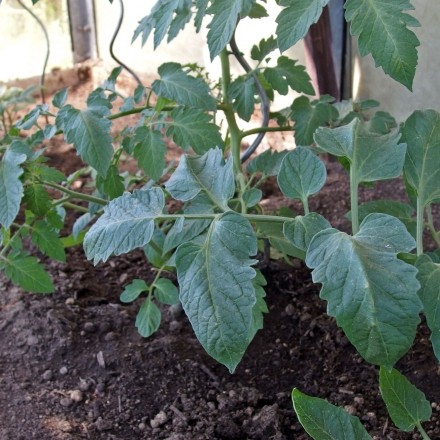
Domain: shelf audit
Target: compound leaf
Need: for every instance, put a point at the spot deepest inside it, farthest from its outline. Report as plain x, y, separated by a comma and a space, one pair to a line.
260, 307
150, 151
192, 128
302, 174
167, 16
133, 290
429, 277
89, 132
382, 28
295, 20
216, 287
27, 272
148, 318
223, 23
177, 85
11, 188
268, 162
242, 93
47, 240
208, 173
324, 421
406, 405
127, 223
421, 132
264, 48
370, 292
287, 74
308, 116
166, 292
300, 230
372, 156
37, 199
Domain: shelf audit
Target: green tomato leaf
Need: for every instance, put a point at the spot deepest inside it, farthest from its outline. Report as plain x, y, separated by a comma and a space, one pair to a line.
260, 307
47, 240
382, 28
11, 188
301, 230
150, 151
252, 197
60, 97
208, 173
308, 116
223, 23
113, 184
274, 233
287, 74
265, 47
370, 292
295, 21
302, 174
37, 199
90, 134
421, 132
133, 290
372, 156
402, 211
166, 292
192, 128
268, 162
127, 223
182, 232
26, 272
324, 421
242, 94
216, 287
406, 405
429, 277
148, 318
166, 17
182, 88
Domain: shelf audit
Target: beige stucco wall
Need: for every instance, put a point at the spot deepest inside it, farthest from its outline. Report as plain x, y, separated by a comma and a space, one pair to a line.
394, 97
22, 43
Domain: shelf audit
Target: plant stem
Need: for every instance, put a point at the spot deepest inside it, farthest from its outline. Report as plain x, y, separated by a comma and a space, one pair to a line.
251, 217
420, 226
258, 130
425, 436
75, 207
234, 131
354, 202
305, 203
74, 194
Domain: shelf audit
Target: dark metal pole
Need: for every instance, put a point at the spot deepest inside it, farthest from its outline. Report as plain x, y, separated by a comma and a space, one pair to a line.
82, 29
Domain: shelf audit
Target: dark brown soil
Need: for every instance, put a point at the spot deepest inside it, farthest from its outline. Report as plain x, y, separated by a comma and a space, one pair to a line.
73, 366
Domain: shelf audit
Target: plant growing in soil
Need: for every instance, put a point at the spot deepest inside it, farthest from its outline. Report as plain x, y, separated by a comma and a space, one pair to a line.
204, 219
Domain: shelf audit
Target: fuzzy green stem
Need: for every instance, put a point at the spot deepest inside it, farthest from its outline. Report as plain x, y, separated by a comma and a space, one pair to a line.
257, 218
74, 194
425, 436
420, 226
305, 203
258, 130
354, 202
235, 134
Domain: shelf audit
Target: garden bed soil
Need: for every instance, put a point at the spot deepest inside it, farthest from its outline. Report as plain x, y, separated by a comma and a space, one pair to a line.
73, 366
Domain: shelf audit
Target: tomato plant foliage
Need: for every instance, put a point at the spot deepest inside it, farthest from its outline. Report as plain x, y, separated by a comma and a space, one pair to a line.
203, 220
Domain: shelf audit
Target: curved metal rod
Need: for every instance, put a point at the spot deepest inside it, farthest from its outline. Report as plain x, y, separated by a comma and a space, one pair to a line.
265, 105
46, 36
112, 42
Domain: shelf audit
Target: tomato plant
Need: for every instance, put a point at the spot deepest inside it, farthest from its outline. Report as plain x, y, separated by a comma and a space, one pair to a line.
374, 285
